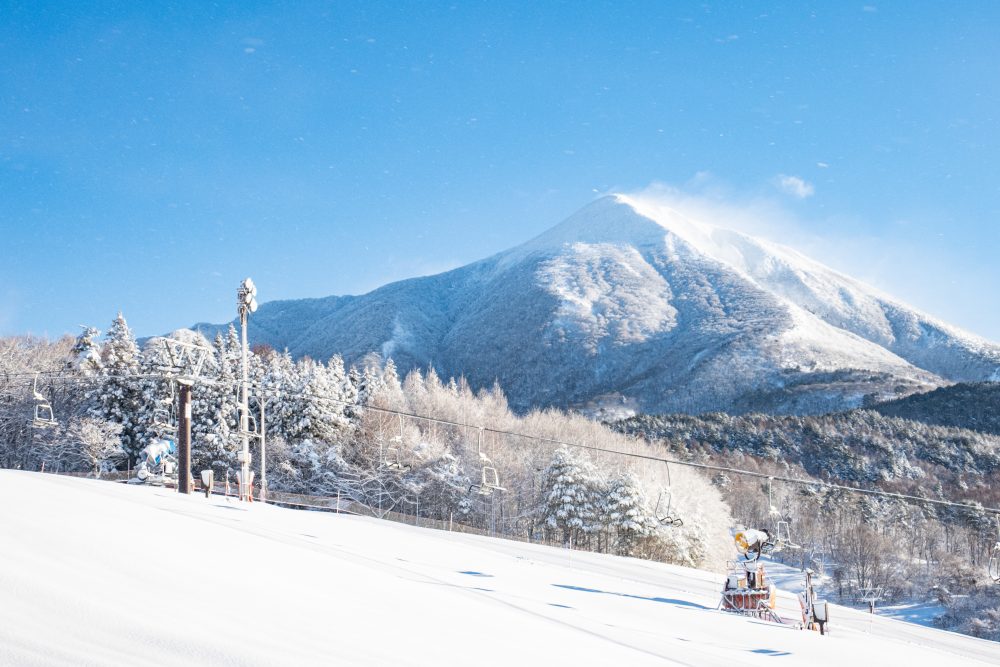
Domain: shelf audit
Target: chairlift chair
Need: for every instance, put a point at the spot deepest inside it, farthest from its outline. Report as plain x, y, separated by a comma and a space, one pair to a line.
490, 482
994, 565
43, 416
252, 429
667, 516
163, 416
393, 460
784, 536
163, 422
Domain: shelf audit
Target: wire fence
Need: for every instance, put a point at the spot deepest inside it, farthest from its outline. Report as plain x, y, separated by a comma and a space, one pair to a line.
336, 505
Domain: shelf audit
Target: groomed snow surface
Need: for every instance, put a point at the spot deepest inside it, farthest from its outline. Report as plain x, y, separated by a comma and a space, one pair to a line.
100, 573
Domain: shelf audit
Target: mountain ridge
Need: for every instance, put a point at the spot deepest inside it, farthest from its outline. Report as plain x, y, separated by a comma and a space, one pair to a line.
628, 302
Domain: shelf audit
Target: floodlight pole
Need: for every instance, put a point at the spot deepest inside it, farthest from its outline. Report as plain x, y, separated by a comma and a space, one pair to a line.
246, 303
245, 489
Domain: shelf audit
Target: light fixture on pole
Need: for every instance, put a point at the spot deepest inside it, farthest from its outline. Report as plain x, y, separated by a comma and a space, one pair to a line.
246, 303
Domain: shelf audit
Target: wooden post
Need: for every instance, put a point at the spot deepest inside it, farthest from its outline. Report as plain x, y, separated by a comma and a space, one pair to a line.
184, 481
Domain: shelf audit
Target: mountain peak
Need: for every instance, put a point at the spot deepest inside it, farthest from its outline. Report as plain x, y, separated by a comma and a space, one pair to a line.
631, 300
646, 222
611, 219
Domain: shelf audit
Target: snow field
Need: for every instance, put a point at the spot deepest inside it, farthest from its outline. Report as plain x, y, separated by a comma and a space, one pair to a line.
101, 573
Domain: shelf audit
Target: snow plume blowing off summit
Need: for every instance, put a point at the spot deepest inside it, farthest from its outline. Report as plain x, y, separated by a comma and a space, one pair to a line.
633, 301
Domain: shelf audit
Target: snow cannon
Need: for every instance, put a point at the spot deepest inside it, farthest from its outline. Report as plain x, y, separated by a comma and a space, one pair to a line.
751, 543
158, 450
158, 462
747, 590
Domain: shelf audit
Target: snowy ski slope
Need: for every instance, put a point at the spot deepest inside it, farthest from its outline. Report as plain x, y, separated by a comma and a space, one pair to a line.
101, 573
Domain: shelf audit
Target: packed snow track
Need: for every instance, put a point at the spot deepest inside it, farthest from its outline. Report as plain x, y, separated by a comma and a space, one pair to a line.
101, 573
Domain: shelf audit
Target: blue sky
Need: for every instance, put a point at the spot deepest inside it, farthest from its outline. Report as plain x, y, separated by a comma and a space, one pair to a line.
154, 154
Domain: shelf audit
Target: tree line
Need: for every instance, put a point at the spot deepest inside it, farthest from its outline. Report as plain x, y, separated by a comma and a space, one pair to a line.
332, 430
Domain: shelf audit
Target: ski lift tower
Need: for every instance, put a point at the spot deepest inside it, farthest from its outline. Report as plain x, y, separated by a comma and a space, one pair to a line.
246, 303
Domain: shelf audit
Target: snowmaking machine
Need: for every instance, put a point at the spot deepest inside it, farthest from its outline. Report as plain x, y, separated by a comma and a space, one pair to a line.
157, 463
747, 589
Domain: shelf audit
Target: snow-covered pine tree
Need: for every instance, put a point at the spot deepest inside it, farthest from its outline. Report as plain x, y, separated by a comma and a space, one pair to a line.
344, 392
627, 513
118, 397
214, 415
86, 352
445, 486
320, 401
571, 495
157, 403
280, 377
387, 392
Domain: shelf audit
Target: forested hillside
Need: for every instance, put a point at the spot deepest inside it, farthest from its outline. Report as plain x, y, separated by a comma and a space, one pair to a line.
914, 551
971, 405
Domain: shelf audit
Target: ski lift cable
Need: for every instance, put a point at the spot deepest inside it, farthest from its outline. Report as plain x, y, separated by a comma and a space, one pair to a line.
691, 464
815, 484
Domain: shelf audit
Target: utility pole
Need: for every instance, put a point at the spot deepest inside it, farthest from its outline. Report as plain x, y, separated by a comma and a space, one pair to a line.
263, 451
246, 302
184, 481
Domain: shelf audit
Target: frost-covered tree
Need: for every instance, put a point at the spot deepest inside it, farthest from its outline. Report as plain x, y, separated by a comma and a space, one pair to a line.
98, 442
85, 356
627, 514
319, 402
310, 466
571, 495
119, 396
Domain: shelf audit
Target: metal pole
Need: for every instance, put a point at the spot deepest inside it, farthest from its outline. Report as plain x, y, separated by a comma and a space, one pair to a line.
184, 482
263, 458
244, 414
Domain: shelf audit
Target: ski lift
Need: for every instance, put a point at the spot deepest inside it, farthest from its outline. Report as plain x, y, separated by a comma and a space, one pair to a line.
870, 595
393, 459
43, 414
771, 509
163, 417
163, 422
253, 430
994, 565
667, 515
490, 480
782, 537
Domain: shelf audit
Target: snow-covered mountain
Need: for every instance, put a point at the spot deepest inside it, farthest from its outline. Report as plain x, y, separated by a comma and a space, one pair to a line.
631, 304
